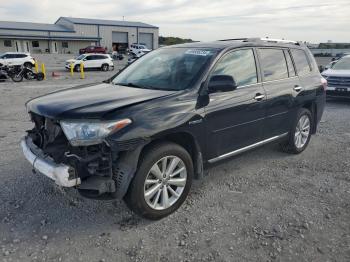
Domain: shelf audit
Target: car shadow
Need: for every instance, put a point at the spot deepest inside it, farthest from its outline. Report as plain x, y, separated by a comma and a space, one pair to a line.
32, 204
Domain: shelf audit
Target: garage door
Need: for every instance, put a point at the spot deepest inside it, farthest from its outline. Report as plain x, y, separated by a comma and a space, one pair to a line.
147, 39
119, 37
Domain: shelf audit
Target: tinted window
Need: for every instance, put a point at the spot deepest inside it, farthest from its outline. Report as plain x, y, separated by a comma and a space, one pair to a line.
35, 43
240, 65
273, 64
90, 57
301, 61
8, 43
291, 70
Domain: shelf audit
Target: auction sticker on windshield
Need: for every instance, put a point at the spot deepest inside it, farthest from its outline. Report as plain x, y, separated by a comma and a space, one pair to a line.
198, 52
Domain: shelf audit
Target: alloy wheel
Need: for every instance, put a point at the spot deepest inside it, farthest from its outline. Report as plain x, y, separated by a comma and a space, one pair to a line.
165, 182
302, 131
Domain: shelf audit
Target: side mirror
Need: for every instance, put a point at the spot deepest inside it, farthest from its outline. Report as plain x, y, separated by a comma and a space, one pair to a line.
221, 83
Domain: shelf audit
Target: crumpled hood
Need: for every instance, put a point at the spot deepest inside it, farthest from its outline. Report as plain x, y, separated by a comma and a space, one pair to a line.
332, 72
90, 101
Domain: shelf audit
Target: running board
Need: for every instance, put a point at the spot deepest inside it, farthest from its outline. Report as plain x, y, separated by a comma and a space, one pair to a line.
244, 149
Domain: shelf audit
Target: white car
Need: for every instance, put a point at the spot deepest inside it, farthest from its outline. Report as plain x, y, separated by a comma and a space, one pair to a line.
133, 56
17, 59
136, 48
91, 61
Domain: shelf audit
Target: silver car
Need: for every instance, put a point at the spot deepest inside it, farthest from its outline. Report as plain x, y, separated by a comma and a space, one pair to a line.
338, 77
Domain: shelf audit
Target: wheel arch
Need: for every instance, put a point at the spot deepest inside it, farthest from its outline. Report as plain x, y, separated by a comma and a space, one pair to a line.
188, 142
129, 161
312, 107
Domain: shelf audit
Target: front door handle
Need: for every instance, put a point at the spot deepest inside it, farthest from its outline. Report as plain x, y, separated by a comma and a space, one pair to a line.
297, 88
259, 97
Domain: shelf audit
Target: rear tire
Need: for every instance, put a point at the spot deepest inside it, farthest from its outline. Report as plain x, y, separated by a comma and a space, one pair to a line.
300, 134
171, 188
40, 76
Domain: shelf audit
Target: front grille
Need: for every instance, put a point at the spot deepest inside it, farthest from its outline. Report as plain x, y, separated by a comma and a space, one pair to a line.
338, 81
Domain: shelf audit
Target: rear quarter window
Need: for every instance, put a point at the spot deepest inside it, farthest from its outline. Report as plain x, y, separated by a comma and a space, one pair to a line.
301, 61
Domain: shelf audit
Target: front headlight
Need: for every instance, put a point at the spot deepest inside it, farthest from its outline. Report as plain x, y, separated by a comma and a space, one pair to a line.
91, 133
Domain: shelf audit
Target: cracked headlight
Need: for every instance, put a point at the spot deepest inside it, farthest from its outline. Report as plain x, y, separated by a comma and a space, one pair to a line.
91, 133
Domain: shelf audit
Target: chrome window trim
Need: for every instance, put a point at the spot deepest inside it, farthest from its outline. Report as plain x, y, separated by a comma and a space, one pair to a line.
278, 80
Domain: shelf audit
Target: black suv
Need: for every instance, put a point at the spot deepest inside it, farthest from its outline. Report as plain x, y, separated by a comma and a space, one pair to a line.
144, 134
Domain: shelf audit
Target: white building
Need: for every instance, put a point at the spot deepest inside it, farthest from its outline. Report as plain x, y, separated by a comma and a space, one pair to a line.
68, 35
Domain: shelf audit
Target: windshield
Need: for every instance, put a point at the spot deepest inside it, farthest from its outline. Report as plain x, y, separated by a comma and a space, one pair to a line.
80, 57
166, 69
342, 64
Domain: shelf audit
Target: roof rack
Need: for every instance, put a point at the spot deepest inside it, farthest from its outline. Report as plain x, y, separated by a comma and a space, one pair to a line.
272, 40
258, 39
246, 39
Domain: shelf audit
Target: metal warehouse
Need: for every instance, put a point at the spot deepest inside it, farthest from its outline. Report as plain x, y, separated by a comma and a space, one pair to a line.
68, 35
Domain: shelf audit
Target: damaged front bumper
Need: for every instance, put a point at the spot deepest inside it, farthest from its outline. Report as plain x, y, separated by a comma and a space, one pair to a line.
62, 174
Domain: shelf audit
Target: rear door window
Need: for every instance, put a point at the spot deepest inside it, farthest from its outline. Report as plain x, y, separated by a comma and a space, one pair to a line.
240, 65
273, 63
301, 61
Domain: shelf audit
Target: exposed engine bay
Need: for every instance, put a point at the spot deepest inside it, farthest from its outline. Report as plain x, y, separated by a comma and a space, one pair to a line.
95, 165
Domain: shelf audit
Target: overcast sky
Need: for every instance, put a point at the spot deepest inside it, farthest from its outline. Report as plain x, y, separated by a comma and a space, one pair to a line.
307, 20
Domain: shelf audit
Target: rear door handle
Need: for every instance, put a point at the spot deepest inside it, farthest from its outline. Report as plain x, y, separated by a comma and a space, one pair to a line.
297, 88
259, 97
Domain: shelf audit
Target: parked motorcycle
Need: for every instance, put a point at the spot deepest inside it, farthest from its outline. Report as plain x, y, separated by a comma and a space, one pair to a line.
21, 72
3, 75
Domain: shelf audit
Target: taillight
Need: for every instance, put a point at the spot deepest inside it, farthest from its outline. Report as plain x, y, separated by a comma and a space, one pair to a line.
324, 83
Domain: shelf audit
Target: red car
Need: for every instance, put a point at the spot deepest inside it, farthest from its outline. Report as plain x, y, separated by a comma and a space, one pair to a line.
93, 49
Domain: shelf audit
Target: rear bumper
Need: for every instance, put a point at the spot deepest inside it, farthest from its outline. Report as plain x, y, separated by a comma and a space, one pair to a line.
62, 174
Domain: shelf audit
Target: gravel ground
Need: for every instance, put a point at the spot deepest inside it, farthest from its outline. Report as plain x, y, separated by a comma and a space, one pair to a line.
264, 205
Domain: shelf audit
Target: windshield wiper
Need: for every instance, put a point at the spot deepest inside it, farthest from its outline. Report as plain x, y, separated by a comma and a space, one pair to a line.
143, 87
132, 85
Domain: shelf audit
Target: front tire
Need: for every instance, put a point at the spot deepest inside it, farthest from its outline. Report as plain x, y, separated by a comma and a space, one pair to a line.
104, 67
17, 78
162, 181
77, 68
300, 133
28, 65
